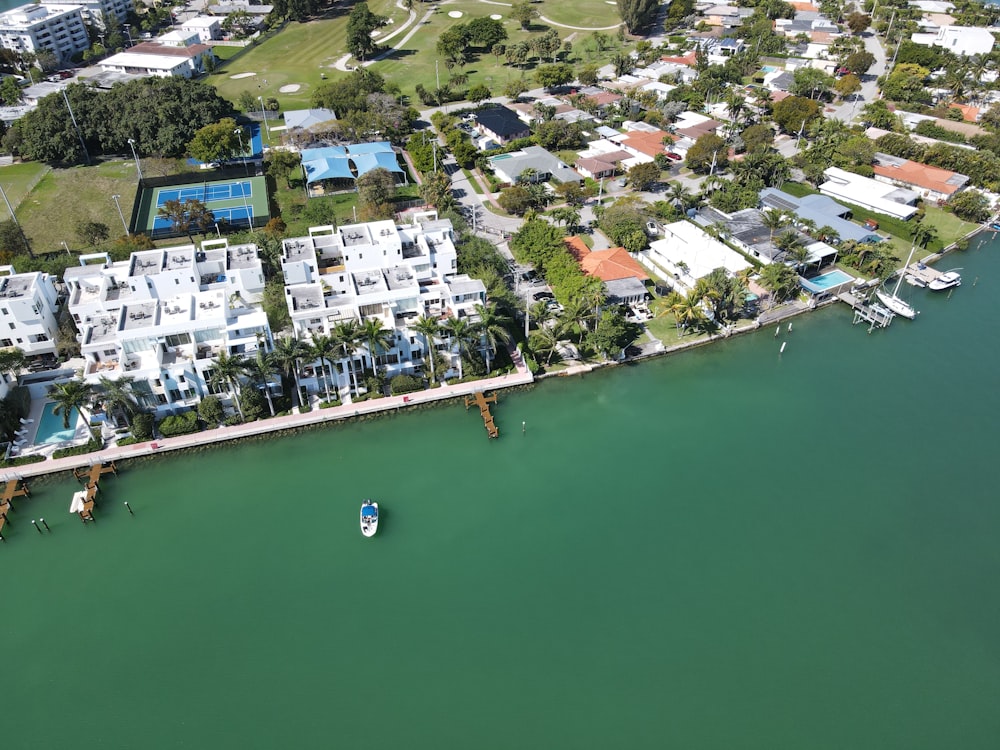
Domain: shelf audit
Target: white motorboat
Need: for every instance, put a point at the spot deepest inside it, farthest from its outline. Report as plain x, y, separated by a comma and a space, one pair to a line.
892, 300
947, 280
369, 518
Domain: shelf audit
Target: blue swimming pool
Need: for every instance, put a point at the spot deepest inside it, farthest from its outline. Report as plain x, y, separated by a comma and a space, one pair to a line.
768, 68
50, 427
827, 281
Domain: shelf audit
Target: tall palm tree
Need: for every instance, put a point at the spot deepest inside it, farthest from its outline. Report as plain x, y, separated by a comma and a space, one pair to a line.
579, 312
348, 334
376, 336
540, 313
73, 394
324, 348
261, 369
461, 335
546, 341
492, 328
773, 220
226, 373
428, 327
688, 311
12, 360
118, 396
286, 355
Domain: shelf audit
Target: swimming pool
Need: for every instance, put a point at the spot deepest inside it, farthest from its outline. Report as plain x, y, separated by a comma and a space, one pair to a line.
50, 426
827, 281
768, 68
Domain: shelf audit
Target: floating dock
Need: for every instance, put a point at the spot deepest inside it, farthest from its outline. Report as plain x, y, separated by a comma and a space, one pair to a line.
920, 274
875, 315
483, 402
12, 488
84, 501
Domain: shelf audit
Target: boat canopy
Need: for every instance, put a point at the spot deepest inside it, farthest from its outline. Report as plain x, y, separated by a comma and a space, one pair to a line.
368, 511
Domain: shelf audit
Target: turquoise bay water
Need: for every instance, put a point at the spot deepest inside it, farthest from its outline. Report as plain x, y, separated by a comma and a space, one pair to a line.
727, 548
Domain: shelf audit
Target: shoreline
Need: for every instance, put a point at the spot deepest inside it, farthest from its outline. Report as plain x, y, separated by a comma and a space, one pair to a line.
291, 422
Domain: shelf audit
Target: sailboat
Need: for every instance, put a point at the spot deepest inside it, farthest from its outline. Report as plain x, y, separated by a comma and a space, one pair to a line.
893, 301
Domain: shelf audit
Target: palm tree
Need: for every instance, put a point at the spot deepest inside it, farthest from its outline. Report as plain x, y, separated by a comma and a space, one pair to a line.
461, 334
428, 327
492, 327
376, 336
118, 396
578, 311
924, 234
541, 313
348, 334
773, 220
226, 373
261, 369
73, 394
688, 311
286, 355
12, 360
546, 341
324, 348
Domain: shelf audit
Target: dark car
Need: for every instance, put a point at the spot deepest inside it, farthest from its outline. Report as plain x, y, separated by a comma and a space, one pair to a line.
539, 296
529, 276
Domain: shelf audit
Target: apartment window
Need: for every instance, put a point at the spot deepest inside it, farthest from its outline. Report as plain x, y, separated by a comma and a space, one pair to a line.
20, 341
178, 339
12, 326
109, 352
177, 281
41, 337
4, 311
180, 379
157, 383
160, 398
6, 342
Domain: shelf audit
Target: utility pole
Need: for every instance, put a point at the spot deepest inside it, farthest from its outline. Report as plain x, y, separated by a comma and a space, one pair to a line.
72, 117
135, 155
120, 214
263, 113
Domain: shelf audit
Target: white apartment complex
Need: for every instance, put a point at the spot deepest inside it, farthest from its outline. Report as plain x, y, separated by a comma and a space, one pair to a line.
164, 315
28, 311
93, 11
55, 27
393, 273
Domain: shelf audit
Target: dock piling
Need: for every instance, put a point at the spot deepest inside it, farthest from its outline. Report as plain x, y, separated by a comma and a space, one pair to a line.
129, 508
782, 350
42, 521
33, 523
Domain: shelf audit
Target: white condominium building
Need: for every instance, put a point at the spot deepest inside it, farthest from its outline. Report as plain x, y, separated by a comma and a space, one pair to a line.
94, 10
28, 311
55, 27
378, 270
163, 316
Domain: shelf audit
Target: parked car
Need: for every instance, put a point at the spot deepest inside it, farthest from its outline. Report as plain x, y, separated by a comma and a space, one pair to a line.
539, 296
529, 276
674, 157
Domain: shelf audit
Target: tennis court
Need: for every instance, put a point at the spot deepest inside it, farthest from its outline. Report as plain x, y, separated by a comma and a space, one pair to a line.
235, 203
208, 193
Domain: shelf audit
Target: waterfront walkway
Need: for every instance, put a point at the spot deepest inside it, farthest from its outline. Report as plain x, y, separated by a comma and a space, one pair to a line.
521, 376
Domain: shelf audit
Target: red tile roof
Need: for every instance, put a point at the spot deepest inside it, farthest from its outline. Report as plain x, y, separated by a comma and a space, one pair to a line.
606, 265
920, 175
689, 59
650, 144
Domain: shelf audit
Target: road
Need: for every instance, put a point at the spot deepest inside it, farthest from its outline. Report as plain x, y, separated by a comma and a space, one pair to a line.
869, 82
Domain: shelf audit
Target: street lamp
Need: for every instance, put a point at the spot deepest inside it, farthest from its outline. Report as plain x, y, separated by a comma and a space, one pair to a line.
127, 34
263, 113
135, 155
243, 152
120, 214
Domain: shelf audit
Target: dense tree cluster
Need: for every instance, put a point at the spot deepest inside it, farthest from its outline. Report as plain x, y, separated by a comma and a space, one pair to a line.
160, 114
366, 107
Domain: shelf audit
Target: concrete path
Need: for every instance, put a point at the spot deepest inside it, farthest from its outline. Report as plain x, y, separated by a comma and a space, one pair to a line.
578, 28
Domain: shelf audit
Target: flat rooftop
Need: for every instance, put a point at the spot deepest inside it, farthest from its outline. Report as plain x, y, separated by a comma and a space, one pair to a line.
14, 286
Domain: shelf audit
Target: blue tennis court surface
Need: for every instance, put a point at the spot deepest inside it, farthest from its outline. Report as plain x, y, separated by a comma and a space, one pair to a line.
206, 194
232, 216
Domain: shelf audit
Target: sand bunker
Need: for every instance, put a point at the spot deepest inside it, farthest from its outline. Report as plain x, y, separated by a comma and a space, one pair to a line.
496, 16
243, 75
455, 14
289, 88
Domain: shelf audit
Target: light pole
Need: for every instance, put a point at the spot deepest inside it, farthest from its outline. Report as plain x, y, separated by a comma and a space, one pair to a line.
135, 155
120, 214
243, 152
16, 224
127, 34
263, 113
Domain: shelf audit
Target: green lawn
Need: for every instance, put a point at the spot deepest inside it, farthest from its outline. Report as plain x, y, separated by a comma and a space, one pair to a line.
18, 179
65, 197
302, 53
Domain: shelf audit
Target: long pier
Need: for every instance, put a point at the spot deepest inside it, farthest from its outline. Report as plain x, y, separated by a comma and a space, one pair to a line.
483, 402
875, 315
12, 488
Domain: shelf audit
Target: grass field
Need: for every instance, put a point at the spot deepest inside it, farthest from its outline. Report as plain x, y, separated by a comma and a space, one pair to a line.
66, 197
303, 53
18, 179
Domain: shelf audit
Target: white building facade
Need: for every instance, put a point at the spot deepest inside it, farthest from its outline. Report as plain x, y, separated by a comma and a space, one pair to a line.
378, 270
93, 11
28, 312
165, 315
54, 27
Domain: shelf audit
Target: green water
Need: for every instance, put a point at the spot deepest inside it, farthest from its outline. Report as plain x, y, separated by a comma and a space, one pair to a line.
724, 549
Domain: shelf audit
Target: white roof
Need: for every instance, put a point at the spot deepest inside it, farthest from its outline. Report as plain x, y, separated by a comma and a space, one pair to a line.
148, 62
689, 253
869, 193
201, 22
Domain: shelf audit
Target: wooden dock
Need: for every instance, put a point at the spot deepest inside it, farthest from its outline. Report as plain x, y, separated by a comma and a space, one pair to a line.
483, 402
921, 274
864, 311
12, 488
91, 479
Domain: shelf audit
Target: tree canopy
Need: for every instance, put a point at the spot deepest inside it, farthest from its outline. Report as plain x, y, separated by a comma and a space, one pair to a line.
360, 25
218, 141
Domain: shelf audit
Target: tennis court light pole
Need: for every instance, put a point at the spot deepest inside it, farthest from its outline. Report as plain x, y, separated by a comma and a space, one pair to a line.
120, 214
263, 113
135, 155
243, 151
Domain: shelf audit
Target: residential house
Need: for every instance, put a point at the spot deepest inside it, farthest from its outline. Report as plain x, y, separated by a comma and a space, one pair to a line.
158, 59
817, 29
310, 120
688, 253
32, 28
959, 40
622, 275
28, 310
726, 16
163, 316
821, 210
645, 145
509, 167
933, 183
501, 124
207, 28
382, 271
868, 193
718, 51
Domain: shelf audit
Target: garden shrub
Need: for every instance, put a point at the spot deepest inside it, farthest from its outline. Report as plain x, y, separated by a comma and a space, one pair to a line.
179, 424
142, 427
211, 411
253, 404
406, 384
